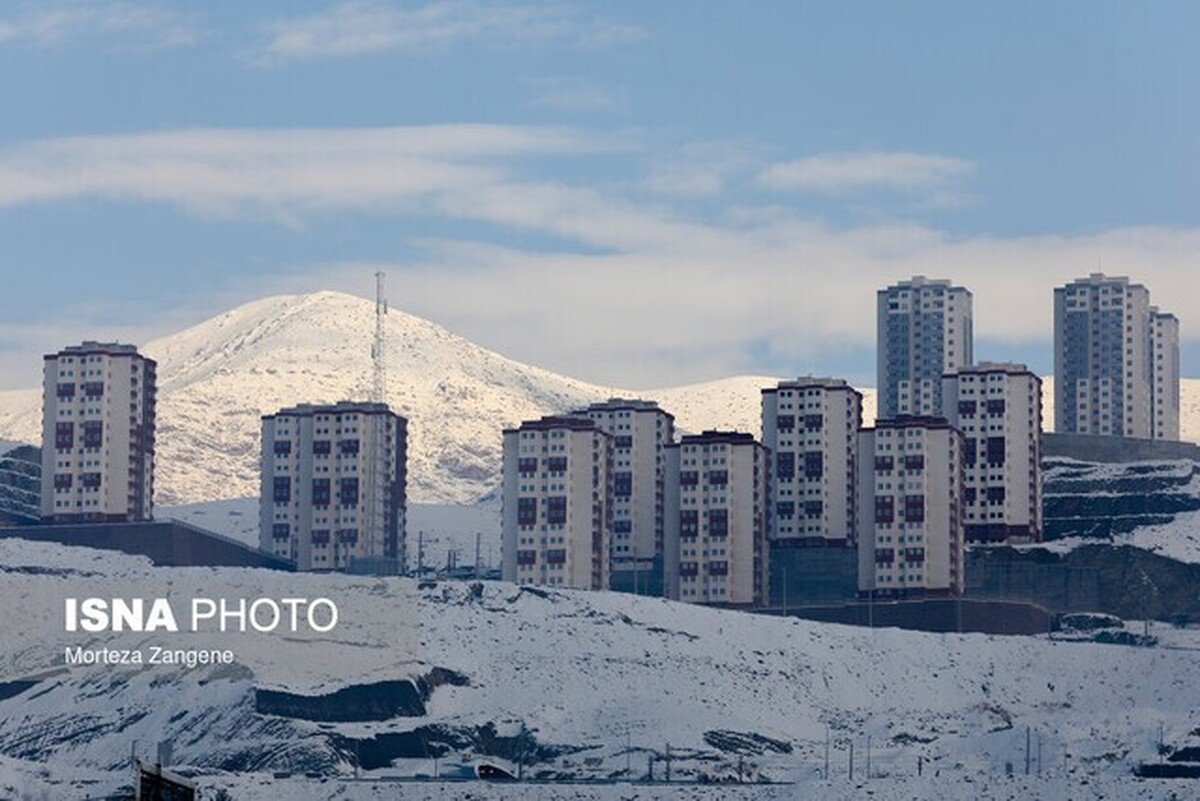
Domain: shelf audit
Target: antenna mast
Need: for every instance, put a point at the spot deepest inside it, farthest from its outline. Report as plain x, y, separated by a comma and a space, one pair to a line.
379, 385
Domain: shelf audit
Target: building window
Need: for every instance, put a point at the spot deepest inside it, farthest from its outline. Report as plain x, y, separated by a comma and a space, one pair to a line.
785, 422
966, 408
322, 492
556, 556
320, 536
321, 447
995, 495
90, 480
813, 508
718, 478
281, 531
526, 511
622, 484
914, 508
622, 526
883, 464
914, 461
689, 478
995, 451
282, 490
66, 390
348, 447
813, 422
556, 464
283, 447
785, 509
813, 465
64, 436
785, 465
995, 406
526, 557
689, 522
556, 509
527, 466
62, 481
93, 433
94, 389
718, 522
348, 491
885, 509
623, 441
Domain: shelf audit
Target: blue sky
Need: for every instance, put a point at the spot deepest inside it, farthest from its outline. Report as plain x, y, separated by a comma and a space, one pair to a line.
754, 170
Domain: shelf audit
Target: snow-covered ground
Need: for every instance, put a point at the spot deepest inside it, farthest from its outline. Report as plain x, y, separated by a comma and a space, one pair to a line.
1178, 539
607, 679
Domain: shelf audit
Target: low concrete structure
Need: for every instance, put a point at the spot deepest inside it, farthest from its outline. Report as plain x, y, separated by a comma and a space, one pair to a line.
1102, 448
168, 543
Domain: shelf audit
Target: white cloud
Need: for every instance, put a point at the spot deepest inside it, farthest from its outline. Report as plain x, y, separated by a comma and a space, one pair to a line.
578, 96
280, 173
713, 293
360, 28
848, 172
125, 24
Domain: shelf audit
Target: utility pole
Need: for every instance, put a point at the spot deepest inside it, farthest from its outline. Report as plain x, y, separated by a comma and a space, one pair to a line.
827, 753
785, 602
1026, 750
628, 753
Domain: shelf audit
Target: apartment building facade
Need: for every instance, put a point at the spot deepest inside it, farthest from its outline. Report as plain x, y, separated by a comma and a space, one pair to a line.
556, 518
998, 408
98, 434
924, 328
640, 432
334, 487
716, 538
1107, 346
1164, 375
910, 489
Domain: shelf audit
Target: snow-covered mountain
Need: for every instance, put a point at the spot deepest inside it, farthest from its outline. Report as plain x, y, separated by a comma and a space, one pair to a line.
217, 378
598, 682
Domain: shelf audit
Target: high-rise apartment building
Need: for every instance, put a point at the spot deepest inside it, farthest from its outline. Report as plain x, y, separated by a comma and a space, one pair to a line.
640, 433
556, 515
998, 408
334, 484
1164, 374
910, 483
716, 538
810, 427
923, 329
1116, 361
98, 402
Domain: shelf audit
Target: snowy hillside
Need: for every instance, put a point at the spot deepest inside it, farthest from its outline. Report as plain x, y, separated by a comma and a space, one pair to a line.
598, 682
216, 379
